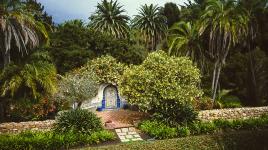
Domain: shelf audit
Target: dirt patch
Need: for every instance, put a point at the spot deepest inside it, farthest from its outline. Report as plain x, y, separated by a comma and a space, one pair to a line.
122, 118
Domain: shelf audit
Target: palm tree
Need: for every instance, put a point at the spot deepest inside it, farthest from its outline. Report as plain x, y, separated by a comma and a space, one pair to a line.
226, 22
183, 40
152, 25
109, 19
257, 77
35, 77
18, 29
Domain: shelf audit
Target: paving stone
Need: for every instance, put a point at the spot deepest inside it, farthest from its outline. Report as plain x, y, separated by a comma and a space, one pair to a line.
126, 140
131, 133
122, 138
129, 136
124, 130
138, 139
120, 134
137, 136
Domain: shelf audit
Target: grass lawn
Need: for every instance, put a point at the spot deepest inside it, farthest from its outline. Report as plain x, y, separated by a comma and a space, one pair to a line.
244, 140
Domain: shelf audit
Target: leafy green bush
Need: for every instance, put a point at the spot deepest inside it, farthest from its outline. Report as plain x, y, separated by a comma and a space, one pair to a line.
77, 87
164, 85
163, 131
177, 114
34, 109
158, 130
205, 103
231, 101
107, 69
50, 140
207, 127
183, 131
227, 100
78, 121
223, 124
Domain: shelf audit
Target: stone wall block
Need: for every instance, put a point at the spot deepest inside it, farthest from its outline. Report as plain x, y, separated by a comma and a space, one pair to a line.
235, 113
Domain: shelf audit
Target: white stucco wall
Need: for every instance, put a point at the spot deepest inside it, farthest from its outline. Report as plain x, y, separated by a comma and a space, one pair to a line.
96, 101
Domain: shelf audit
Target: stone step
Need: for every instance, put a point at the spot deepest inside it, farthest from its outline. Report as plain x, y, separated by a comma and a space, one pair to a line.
128, 134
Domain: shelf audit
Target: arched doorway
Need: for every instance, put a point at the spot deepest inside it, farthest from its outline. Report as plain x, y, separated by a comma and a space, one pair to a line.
110, 98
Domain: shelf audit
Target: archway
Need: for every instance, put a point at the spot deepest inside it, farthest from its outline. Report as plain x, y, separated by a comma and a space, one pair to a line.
111, 98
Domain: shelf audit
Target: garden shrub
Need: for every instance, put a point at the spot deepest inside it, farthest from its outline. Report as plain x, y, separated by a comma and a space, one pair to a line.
162, 85
178, 113
204, 103
51, 141
207, 127
39, 109
107, 69
77, 121
158, 130
161, 130
223, 124
231, 101
183, 131
77, 87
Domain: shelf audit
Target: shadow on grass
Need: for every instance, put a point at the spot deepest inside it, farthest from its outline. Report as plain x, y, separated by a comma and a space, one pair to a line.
243, 140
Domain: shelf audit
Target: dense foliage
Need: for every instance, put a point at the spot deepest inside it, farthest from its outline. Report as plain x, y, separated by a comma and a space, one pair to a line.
77, 87
162, 83
74, 44
225, 39
40, 109
160, 130
106, 68
52, 141
19, 31
109, 19
77, 121
151, 24
31, 80
34, 77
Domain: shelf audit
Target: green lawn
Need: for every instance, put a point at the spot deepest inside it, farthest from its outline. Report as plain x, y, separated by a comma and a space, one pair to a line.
244, 140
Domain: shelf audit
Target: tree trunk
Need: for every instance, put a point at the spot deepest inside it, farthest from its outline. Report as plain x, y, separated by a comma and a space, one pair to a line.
216, 77
3, 106
6, 58
217, 82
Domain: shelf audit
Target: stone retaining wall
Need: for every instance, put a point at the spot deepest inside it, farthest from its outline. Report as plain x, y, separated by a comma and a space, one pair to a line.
231, 114
207, 115
13, 127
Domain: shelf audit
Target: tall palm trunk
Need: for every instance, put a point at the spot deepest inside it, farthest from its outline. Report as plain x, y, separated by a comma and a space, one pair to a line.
215, 80
6, 58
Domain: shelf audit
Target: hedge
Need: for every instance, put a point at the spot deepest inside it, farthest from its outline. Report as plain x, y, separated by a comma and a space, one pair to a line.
160, 130
51, 141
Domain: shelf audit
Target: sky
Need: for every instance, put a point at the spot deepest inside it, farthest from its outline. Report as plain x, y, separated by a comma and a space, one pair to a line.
63, 10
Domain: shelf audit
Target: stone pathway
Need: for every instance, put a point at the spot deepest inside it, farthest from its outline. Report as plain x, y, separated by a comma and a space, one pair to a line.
128, 134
